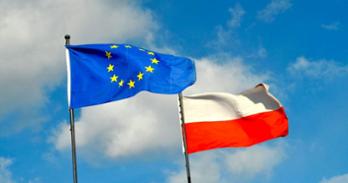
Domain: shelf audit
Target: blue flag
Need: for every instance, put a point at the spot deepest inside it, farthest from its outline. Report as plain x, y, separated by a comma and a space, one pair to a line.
100, 73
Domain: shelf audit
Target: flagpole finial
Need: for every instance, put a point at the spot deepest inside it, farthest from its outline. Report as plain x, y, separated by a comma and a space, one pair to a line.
67, 39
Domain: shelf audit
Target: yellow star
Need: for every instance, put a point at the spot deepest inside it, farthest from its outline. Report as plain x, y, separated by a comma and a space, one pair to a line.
108, 54
113, 46
140, 76
128, 46
131, 84
154, 61
120, 83
110, 68
149, 69
151, 53
113, 78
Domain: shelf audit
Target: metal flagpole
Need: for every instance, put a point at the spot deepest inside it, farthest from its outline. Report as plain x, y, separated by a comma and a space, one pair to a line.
72, 129
183, 131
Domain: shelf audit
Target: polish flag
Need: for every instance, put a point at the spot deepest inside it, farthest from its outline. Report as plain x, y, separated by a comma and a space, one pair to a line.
218, 120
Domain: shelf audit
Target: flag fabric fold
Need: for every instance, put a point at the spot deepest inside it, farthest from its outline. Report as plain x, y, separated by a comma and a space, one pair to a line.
219, 120
100, 73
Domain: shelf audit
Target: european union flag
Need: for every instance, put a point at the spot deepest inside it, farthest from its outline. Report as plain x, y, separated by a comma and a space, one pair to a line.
100, 73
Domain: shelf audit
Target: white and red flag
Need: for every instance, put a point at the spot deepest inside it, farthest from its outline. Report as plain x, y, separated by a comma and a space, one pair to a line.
218, 120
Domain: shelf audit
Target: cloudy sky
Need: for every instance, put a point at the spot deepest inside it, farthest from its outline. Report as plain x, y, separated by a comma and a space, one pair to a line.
298, 47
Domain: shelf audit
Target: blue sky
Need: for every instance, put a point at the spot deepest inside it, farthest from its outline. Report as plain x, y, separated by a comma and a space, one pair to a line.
298, 47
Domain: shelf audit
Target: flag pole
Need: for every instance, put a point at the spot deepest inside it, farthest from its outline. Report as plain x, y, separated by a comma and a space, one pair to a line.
183, 131
72, 129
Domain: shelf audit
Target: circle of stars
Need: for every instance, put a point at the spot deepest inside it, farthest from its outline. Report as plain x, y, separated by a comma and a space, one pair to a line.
131, 83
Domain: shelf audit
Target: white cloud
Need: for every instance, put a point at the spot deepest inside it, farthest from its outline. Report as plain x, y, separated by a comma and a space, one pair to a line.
273, 9
259, 54
5, 174
317, 69
336, 179
204, 169
35, 180
125, 128
148, 122
32, 53
226, 38
237, 12
229, 167
335, 26
256, 160
224, 74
